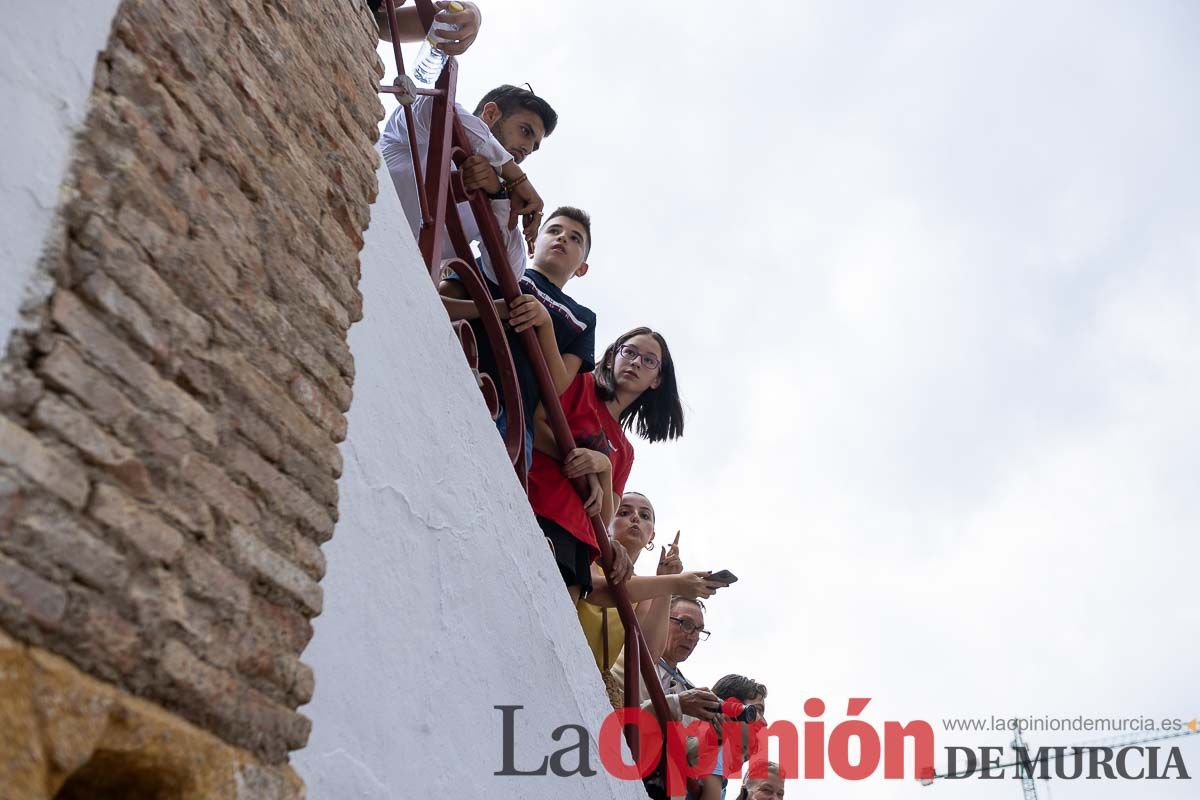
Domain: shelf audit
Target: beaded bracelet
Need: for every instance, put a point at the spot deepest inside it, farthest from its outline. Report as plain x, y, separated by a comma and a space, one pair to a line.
510, 185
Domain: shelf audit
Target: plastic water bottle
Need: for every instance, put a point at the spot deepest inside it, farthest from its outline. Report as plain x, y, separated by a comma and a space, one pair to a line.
432, 58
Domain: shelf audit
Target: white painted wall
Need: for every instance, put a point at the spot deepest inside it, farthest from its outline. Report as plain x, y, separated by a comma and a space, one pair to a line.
442, 599
47, 58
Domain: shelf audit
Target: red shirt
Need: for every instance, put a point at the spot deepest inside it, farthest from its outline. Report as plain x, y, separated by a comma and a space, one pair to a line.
550, 494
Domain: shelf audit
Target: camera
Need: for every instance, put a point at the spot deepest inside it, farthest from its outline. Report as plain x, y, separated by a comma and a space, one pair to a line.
738, 711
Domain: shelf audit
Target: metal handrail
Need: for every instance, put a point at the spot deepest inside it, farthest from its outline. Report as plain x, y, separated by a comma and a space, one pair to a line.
435, 187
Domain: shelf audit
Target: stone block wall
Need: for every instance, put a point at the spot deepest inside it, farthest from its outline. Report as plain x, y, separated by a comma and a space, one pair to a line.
170, 407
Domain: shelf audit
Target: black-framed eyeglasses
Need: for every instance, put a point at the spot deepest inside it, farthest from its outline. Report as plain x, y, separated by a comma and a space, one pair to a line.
689, 627
633, 354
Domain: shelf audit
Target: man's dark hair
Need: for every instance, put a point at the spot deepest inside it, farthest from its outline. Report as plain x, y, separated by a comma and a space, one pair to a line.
514, 98
739, 686
658, 412
578, 215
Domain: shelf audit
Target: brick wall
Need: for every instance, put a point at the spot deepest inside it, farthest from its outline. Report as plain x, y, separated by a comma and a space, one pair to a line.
169, 417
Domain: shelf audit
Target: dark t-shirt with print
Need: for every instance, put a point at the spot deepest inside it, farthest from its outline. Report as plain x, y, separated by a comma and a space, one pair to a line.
574, 331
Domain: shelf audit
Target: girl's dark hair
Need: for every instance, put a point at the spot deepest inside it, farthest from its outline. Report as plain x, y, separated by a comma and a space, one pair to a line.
739, 686
658, 412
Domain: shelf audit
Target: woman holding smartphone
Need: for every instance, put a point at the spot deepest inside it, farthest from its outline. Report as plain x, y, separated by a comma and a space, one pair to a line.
633, 529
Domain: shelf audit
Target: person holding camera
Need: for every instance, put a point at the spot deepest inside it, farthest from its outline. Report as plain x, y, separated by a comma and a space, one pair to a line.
751, 707
685, 700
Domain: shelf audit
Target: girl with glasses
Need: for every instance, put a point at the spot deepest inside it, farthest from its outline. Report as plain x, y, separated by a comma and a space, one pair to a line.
632, 388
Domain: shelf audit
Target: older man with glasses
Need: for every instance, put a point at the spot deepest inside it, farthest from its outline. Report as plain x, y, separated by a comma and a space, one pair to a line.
686, 702
685, 630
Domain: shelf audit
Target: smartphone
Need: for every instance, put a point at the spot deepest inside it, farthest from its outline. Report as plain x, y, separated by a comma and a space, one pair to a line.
724, 576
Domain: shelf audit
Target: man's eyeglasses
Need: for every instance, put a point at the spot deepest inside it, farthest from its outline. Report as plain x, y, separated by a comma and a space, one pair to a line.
630, 354
689, 627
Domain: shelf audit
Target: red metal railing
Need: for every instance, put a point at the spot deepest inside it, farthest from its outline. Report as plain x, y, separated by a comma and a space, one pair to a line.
437, 185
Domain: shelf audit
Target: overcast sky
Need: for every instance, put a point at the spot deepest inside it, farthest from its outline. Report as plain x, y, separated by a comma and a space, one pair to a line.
930, 273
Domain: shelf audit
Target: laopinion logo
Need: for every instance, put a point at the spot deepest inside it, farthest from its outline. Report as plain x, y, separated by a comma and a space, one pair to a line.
853, 749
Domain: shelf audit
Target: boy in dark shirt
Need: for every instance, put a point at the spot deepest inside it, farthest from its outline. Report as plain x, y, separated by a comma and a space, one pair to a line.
566, 330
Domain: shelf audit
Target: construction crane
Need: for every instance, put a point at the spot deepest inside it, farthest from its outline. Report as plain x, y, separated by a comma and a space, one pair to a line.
1027, 784
1026, 765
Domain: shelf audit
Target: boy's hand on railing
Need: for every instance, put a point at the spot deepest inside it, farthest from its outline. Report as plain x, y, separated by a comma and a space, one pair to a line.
669, 562
478, 173
581, 461
456, 42
527, 312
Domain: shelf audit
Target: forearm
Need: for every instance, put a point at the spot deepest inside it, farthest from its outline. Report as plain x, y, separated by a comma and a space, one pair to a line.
510, 171
654, 627
460, 309
455, 301
408, 23
554, 360
646, 617
607, 507
642, 611
638, 587
511, 239
672, 705
543, 436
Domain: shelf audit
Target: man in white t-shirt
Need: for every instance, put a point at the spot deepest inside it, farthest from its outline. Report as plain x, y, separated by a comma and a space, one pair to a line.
508, 126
